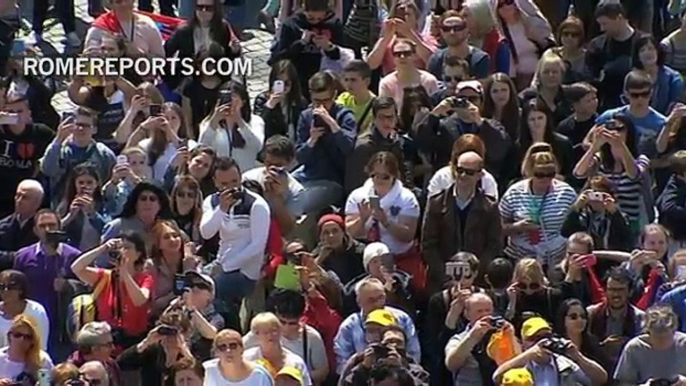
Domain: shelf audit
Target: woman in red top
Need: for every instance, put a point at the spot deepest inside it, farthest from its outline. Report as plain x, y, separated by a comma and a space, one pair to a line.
127, 288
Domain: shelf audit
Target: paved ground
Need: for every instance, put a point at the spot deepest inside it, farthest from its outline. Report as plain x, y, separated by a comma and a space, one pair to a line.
256, 48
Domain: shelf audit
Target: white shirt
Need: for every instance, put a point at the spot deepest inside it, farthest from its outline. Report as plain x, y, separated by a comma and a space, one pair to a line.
243, 232
398, 203
162, 163
292, 195
34, 311
291, 360
443, 179
11, 370
221, 141
214, 377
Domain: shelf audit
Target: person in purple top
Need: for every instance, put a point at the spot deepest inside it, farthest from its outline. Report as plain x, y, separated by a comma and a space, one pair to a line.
47, 264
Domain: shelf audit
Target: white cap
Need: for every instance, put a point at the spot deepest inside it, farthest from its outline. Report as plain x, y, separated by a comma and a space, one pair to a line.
373, 251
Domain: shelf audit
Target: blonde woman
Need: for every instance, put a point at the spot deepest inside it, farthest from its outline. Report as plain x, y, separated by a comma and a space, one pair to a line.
527, 33
484, 34
547, 87
534, 209
230, 366
531, 293
22, 357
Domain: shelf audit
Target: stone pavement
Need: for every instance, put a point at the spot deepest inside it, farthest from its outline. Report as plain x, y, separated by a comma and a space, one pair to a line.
256, 48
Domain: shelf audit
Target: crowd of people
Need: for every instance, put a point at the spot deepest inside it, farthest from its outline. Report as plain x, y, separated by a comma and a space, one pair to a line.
477, 192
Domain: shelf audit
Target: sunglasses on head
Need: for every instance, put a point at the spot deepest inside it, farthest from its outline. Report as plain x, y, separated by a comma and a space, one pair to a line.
403, 54
453, 28
204, 7
20, 335
543, 175
576, 316
530, 286
227, 346
470, 172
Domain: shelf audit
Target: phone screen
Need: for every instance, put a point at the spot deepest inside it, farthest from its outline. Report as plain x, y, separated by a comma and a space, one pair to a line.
122, 160
278, 86
225, 97
375, 202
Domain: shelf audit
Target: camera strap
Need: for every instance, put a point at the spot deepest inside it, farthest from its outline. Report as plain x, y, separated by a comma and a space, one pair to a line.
117, 298
306, 354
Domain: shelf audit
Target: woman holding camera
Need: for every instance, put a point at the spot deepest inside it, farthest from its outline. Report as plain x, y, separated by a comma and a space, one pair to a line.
127, 288
231, 129
595, 212
163, 348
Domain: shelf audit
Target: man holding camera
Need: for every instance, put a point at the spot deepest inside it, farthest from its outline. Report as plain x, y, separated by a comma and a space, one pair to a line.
656, 358
552, 360
459, 115
241, 218
465, 354
48, 262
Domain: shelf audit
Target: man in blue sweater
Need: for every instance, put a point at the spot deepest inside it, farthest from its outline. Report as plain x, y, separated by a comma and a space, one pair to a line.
324, 139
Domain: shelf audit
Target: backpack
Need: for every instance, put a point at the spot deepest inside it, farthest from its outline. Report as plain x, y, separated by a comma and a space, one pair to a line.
82, 309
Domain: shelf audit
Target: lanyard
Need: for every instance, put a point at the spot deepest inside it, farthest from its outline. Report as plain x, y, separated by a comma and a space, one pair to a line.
133, 29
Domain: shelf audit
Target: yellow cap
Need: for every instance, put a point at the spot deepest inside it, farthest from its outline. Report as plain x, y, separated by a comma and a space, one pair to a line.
290, 371
381, 317
534, 325
518, 377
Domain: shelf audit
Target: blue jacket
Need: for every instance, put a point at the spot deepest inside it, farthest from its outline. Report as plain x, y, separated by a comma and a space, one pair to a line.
668, 89
671, 205
326, 160
676, 299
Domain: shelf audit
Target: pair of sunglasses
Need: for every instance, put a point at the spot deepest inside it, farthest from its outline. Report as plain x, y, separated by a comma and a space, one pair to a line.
470, 172
543, 175
227, 346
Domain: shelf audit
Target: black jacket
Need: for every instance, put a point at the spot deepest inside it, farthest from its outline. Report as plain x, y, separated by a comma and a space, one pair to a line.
274, 120
563, 107
305, 55
672, 207
618, 236
14, 237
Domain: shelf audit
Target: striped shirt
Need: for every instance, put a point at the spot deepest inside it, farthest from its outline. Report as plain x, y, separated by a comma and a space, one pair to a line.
548, 210
627, 190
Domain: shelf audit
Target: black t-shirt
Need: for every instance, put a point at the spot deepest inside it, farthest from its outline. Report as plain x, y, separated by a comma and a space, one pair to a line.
202, 100
19, 156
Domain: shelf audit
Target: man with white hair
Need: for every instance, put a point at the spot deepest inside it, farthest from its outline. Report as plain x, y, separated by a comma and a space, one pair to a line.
95, 344
351, 337
94, 373
16, 230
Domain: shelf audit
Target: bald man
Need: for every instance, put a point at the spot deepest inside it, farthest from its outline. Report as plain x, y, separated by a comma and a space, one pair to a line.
461, 218
95, 373
16, 230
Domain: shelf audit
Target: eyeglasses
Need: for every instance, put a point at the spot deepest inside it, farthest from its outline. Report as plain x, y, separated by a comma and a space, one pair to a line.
454, 28
204, 7
381, 176
224, 347
470, 172
20, 335
544, 175
147, 198
403, 54
188, 194
642, 94
448, 78
530, 286
576, 316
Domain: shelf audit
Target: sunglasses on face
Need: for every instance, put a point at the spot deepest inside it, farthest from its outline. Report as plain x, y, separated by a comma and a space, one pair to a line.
636, 95
381, 176
8, 287
503, 3
20, 335
224, 347
576, 316
530, 286
544, 175
201, 285
185, 194
570, 34
470, 172
453, 28
448, 78
403, 54
204, 7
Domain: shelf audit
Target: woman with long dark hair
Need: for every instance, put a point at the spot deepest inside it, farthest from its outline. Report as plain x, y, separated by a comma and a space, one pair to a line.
162, 137
207, 25
124, 301
571, 322
82, 208
538, 126
281, 110
501, 103
668, 86
198, 164
232, 130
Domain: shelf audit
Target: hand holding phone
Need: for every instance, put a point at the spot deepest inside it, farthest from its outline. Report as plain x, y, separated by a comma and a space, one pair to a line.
278, 87
374, 202
225, 97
